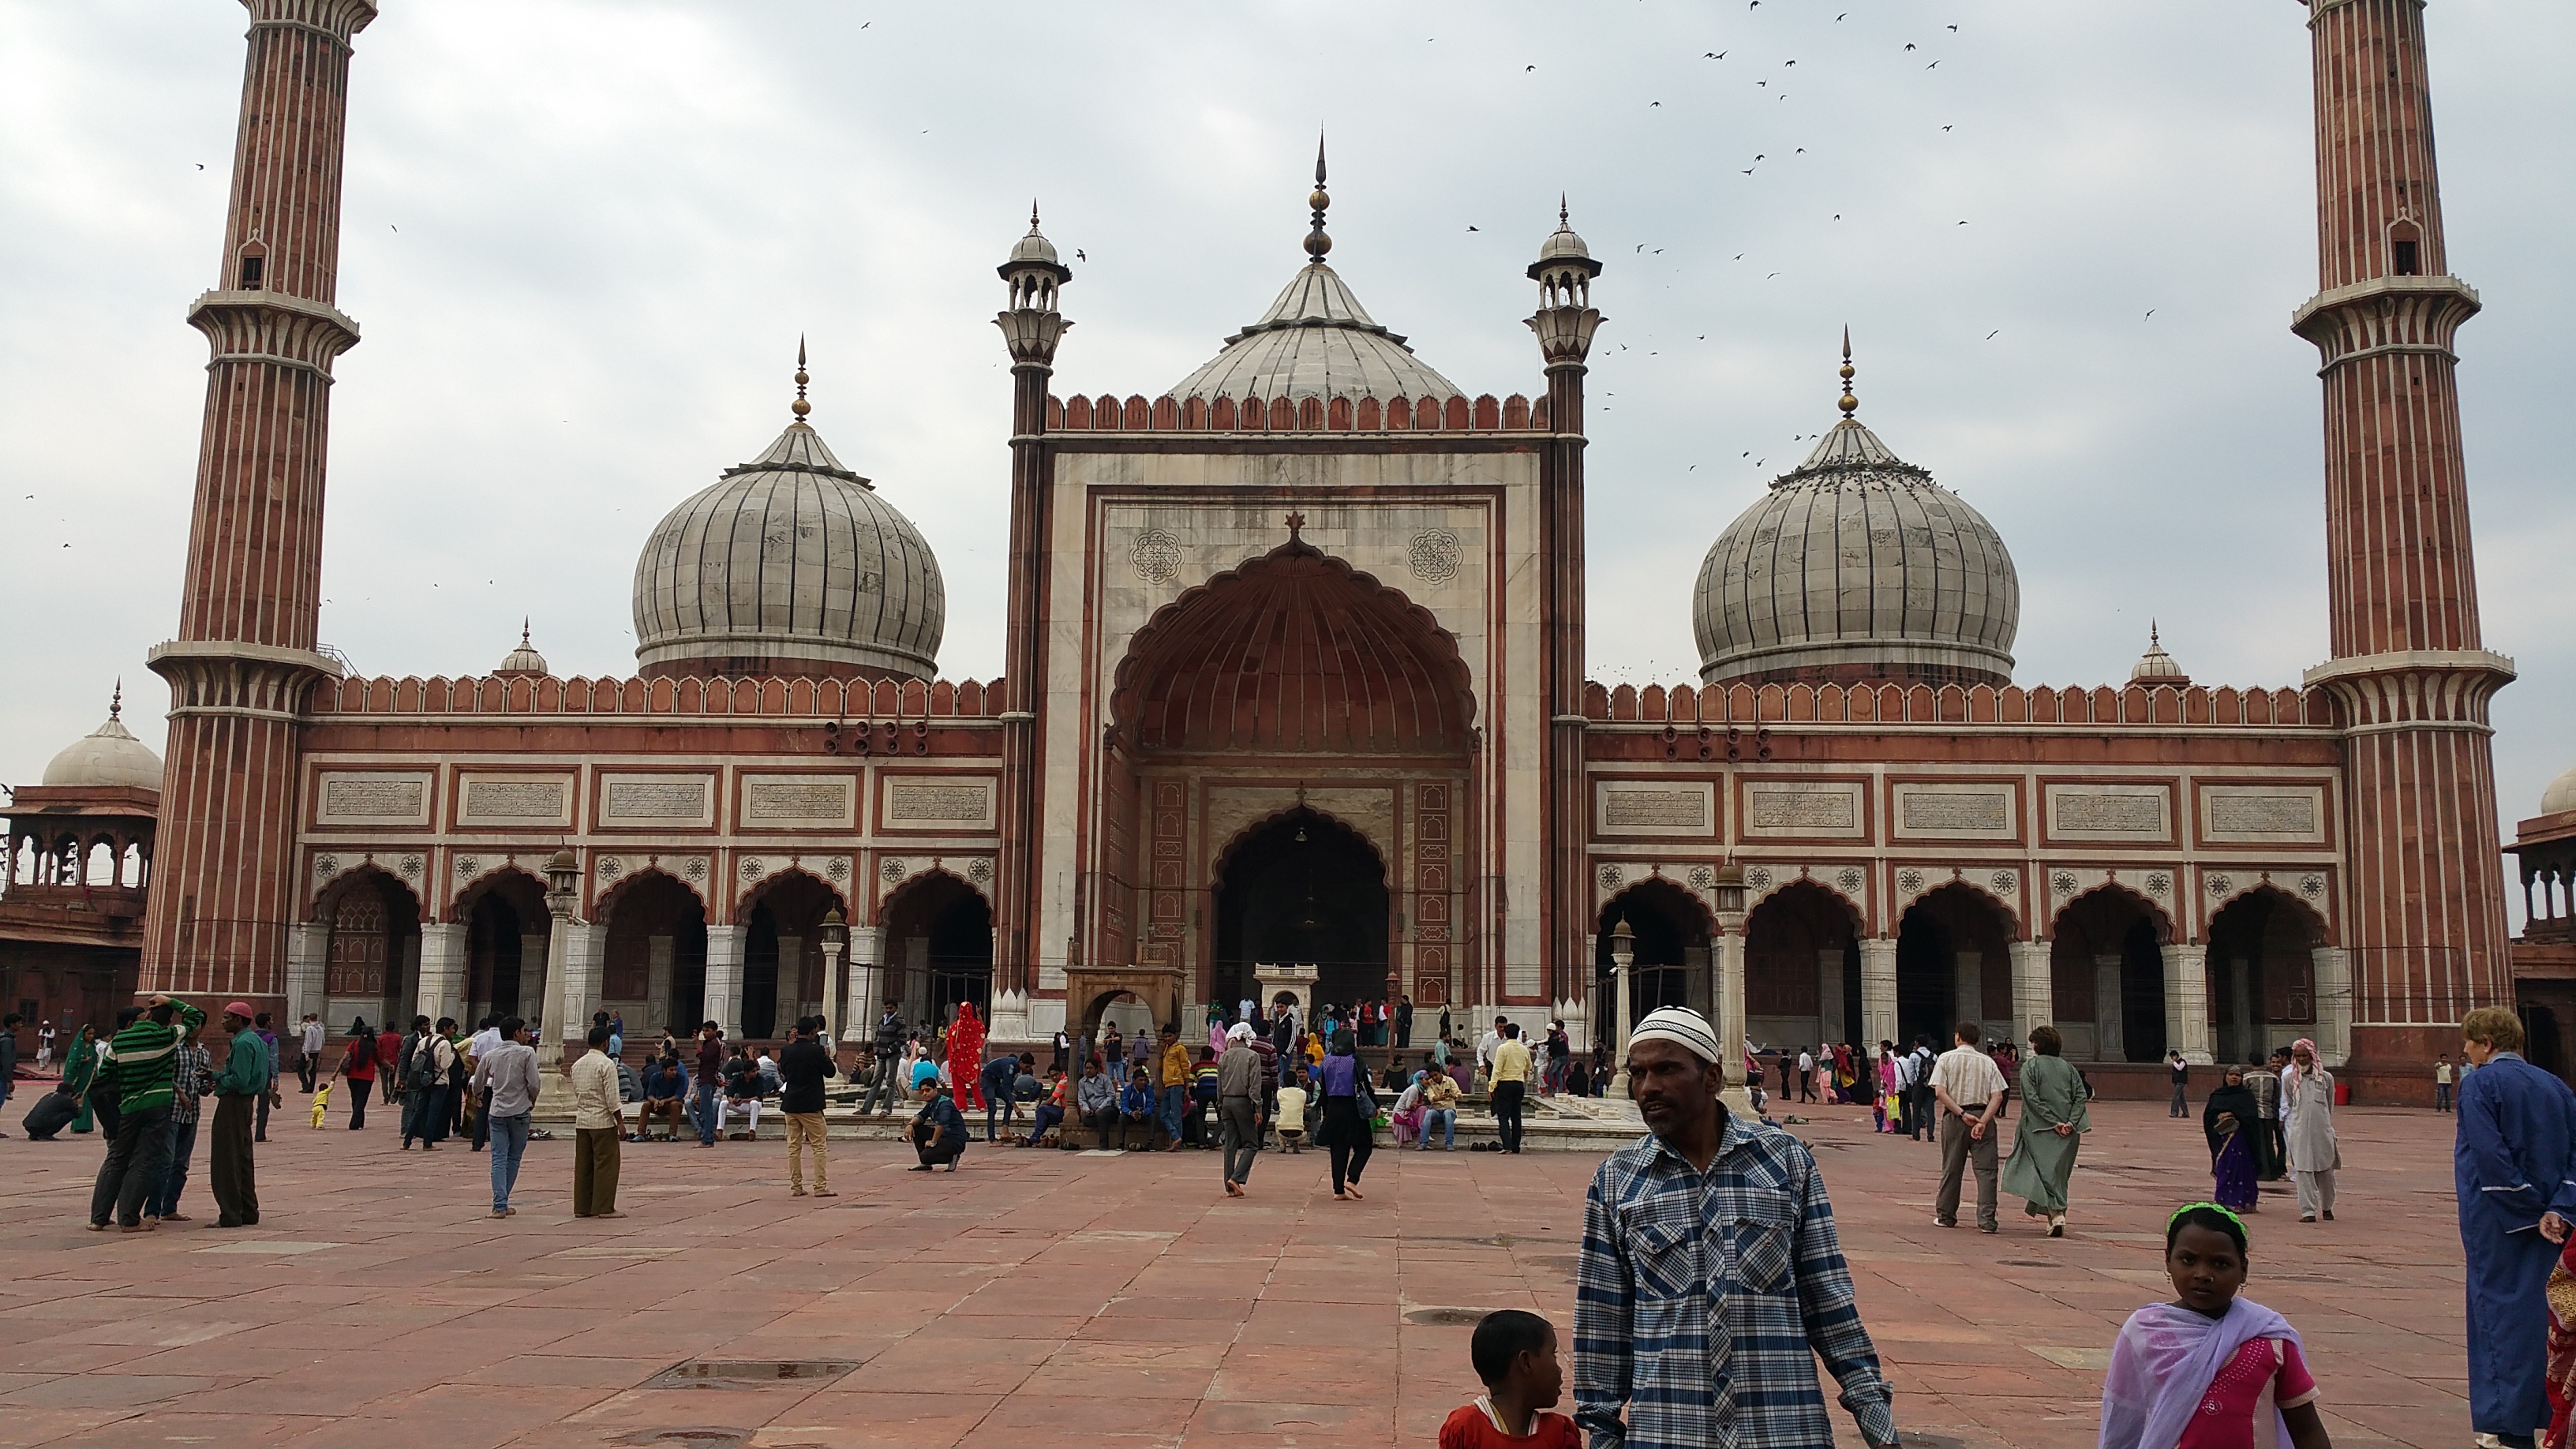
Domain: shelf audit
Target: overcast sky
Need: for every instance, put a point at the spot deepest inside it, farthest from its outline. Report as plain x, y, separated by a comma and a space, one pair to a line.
582, 240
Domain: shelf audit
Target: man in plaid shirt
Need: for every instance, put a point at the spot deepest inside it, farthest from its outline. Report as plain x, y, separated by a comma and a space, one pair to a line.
1712, 1278
192, 1073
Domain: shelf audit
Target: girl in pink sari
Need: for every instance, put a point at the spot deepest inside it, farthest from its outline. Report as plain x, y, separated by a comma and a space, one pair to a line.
2209, 1370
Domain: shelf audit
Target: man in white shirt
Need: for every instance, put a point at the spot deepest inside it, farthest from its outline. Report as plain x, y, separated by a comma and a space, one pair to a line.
506, 1075
1485, 1049
1968, 1092
45, 1048
596, 1120
1806, 1076
308, 1060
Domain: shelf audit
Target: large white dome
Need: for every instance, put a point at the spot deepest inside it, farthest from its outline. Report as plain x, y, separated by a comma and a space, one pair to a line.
108, 757
1857, 566
1315, 341
789, 564
2561, 794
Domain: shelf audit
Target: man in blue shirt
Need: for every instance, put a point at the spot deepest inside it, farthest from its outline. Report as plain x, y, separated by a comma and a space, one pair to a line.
938, 1131
1711, 1278
1137, 1106
664, 1082
2512, 1166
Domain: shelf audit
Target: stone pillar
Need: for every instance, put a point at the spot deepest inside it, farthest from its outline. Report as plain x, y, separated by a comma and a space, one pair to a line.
1730, 1019
308, 960
1967, 991
441, 988
790, 996
1829, 996
2109, 1026
2333, 1005
585, 956
534, 982
1878, 991
551, 1058
867, 1000
2034, 990
2187, 1003
2244, 1032
659, 953
724, 977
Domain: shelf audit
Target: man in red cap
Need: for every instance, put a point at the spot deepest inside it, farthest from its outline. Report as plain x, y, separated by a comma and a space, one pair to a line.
238, 1087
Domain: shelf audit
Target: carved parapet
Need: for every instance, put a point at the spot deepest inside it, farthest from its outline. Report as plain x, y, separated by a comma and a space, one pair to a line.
1108, 413
2161, 707
2414, 689
338, 19
1565, 333
1031, 335
273, 327
2385, 315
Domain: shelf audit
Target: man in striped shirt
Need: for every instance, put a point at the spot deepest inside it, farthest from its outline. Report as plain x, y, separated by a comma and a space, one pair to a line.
1711, 1278
146, 1066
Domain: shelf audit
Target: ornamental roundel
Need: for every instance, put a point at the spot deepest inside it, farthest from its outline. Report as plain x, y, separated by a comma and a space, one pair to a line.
411, 865
980, 871
2005, 882
696, 869
2312, 886
1156, 555
752, 868
1758, 878
2158, 883
1434, 555
466, 866
1702, 878
326, 866
1850, 880
2218, 884
838, 867
892, 870
610, 867
1611, 877
1909, 881
2063, 882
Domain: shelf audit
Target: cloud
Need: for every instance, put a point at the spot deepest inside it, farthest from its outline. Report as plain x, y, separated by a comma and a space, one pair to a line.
582, 240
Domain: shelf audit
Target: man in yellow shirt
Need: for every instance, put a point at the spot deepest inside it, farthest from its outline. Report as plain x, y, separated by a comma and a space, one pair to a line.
1172, 1074
596, 1117
1511, 1083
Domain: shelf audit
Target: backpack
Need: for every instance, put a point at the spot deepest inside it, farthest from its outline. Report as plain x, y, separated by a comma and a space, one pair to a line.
424, 1073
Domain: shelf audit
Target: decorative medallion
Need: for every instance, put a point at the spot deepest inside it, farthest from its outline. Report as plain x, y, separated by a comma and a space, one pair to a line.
1434, 555
411, 865
1703, 878
2218, 884
838, 867
1611, 877
1850, 879
466, 866
752, 869
1156, 555
1910, 881
2158, 883
326, 866
610, 867
980, 871
2005, 882
2312, 886
892, 870
696, 869
2063, 882
1758, 878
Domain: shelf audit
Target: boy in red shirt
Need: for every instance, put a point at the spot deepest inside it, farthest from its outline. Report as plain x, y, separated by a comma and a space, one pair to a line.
1515, 1354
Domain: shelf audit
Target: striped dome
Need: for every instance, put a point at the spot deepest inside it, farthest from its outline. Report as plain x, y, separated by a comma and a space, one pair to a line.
1315, 341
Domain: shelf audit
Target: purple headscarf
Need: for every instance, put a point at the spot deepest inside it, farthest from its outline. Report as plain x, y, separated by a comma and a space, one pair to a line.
2165, 1360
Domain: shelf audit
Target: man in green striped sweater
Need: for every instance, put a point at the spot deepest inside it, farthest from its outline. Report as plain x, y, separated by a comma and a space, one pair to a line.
145, 1065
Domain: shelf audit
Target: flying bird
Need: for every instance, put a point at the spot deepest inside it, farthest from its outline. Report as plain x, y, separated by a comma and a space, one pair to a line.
1991, 336
1954, 30
1471, 228
1945, 128
1527, 69
1709, 54
1078, 256
1791, 62
1909, 45
1936, 65
2150, 313
201, 165
1839, 18
1654, 103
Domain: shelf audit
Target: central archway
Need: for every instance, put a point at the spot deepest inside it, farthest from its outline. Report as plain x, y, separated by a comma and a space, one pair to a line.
1303, 887
1953, 964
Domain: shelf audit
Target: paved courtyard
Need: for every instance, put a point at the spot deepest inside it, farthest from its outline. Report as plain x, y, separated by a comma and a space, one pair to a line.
1107, 1301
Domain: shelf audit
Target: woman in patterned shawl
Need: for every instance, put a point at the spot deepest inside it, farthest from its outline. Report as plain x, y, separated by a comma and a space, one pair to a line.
966, 1055
2562, 1348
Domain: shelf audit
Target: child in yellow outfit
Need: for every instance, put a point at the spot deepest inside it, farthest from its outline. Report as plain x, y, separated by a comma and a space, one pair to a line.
321, 1103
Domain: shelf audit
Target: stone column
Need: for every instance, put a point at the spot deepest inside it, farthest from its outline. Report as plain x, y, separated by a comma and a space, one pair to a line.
1730, 1019
724, 977
2244, 1032
2333, 1005
534, 983
2034, 989
441, 988
1622, 977
308, 960
1967, 991
2108, 1022
2187, 1002
1829, 996
558, 972
791, 998
660, 952
867, 1001
585, 957
1878, 991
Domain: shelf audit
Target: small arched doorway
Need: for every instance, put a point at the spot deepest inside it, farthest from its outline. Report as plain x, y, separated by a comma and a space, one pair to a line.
2262, 975
1303, 887
506, 931
2107, 976
1953, 964
784, 973
1670, 931
654, 966
938, 948
372, 962
1802, 968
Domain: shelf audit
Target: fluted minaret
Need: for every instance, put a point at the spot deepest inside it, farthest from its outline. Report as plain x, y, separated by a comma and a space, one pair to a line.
2424, 895
1564, 323
245, 656
1031, 327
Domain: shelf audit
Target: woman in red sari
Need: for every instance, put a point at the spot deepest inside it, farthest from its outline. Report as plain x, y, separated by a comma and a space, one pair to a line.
966, 1056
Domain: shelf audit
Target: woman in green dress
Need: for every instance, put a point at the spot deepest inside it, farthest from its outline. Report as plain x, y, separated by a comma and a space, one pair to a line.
2053, 1124
78, 1069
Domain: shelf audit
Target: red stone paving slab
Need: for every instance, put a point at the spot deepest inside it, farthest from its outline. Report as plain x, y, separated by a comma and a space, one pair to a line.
1106, 1301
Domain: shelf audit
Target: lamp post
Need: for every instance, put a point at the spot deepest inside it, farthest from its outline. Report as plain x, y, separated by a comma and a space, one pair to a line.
836, 990
1730, 983
1623, 955
563, 885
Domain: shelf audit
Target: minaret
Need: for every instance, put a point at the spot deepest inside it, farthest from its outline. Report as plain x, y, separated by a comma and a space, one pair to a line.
1031, 327
1565, 322
2423, 917
224, 883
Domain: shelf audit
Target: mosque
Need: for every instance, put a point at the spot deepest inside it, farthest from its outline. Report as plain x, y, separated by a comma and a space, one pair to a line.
1294, 700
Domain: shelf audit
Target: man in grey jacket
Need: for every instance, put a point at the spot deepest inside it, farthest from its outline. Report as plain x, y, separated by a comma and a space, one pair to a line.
509, 1071
887, 1044
1238, 1105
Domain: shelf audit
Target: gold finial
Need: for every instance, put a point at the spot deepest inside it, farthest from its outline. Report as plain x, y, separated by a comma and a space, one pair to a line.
1848, 403
1317, 243
800, 407
116, 701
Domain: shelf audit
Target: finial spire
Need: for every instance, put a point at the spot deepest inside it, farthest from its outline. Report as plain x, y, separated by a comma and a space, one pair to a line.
1317, 242
2153, 642
1848, 403
800, 407
524, 621
116, 701
1033, 216
1562, 214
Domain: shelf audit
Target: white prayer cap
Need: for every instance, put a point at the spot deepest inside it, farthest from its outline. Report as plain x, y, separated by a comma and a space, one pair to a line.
1681, 1026
1240, 1031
